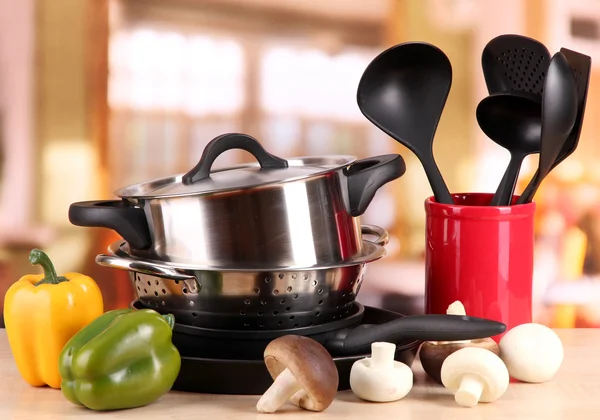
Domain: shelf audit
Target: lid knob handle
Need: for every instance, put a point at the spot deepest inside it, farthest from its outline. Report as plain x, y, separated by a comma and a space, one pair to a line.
227, 142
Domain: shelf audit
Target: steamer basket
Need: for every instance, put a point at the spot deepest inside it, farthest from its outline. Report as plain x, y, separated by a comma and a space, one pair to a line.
246, 299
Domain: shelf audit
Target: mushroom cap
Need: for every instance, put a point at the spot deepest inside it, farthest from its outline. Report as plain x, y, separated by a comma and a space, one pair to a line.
433, 354
479, 362
532, 352
310, 363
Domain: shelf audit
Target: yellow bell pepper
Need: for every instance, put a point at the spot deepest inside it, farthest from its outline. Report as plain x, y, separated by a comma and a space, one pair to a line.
42, 312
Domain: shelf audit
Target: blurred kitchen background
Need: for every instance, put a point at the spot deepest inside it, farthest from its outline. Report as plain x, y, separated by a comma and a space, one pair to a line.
98, 94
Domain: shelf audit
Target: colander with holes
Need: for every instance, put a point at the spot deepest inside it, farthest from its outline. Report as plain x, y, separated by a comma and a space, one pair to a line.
237, 299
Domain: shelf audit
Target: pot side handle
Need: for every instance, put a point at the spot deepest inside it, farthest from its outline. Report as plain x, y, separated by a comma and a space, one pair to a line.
227, 142
128, 221
366, 176
382, 235
142, 267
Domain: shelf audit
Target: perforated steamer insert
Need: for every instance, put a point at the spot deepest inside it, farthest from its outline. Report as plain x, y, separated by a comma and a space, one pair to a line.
244, 299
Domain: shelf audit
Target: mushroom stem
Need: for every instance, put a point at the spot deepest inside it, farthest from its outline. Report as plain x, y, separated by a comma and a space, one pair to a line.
469, 392
382, 355
282, 389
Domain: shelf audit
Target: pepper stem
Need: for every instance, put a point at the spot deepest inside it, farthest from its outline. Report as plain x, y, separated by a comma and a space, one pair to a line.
170, 318
38, 257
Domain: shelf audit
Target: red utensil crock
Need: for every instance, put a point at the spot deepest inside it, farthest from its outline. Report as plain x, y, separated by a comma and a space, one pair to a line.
482, 256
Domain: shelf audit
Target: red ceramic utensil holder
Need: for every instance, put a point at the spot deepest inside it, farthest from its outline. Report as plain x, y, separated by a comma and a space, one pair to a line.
482, 256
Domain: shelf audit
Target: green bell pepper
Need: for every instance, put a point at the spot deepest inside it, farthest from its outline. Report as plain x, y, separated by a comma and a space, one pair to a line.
125, 358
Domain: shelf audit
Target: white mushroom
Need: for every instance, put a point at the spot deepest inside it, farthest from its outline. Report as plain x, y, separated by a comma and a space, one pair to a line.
380, 378
474, 375
532, 352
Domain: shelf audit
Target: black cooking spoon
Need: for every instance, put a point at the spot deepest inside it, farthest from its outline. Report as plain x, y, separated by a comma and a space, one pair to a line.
403, 92
580, 66
513, 121
514, 68
559, 111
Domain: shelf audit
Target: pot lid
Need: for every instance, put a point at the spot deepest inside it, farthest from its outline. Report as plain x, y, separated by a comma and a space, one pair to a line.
237, 177
202, 179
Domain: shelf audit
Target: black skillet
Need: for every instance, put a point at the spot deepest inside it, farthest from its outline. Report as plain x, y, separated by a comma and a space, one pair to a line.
220, 361
250, 377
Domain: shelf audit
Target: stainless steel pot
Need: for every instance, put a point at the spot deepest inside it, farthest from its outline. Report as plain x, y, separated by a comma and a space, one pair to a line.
247, 300
280, 214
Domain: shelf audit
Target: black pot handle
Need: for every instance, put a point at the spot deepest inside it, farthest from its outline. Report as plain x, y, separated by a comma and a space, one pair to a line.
434, 327
366, 176
128, 221
227, 142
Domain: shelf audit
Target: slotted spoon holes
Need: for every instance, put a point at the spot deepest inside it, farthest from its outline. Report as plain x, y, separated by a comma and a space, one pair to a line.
523, 70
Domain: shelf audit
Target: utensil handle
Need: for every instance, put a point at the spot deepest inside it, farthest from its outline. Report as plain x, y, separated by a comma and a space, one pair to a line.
432, 327
506, 188
127, 220
383, 237
530, 190
366, 176
226, 142
436, 181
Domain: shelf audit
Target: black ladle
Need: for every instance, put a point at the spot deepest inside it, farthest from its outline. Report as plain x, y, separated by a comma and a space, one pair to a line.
559, 111
512, 120
403, 92
581, 65
513, 65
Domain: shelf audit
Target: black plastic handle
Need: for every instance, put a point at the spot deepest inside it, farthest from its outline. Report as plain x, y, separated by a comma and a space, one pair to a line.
366, 176
432, 327
227, 142
128, 221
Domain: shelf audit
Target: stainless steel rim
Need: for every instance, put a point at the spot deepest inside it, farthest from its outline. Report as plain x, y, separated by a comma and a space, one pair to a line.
119, 257
322, 164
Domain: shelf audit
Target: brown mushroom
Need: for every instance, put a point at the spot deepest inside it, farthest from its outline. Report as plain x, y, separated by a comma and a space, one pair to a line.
303, 371
433, 353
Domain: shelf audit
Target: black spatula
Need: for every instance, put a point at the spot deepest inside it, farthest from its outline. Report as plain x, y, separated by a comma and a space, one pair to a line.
580, 65
559, 111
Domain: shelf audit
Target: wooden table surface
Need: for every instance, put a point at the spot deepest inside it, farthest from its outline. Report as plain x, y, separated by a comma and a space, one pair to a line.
574, 394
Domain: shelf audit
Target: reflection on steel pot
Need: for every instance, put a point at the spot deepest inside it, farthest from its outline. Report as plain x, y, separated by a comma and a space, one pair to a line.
233, 299
278, 213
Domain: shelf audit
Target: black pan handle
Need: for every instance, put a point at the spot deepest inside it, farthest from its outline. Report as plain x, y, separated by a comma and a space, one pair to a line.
227, 142
128, 221
366, 176
434, 327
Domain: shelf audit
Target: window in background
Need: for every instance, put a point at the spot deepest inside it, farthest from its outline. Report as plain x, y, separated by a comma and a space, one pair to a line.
169, 94
309, 100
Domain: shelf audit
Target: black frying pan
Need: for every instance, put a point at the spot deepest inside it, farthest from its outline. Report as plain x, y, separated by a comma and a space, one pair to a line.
226, 376
346, 337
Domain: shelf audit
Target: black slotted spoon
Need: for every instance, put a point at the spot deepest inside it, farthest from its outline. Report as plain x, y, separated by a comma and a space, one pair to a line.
580, 65
515, 63
514, 68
